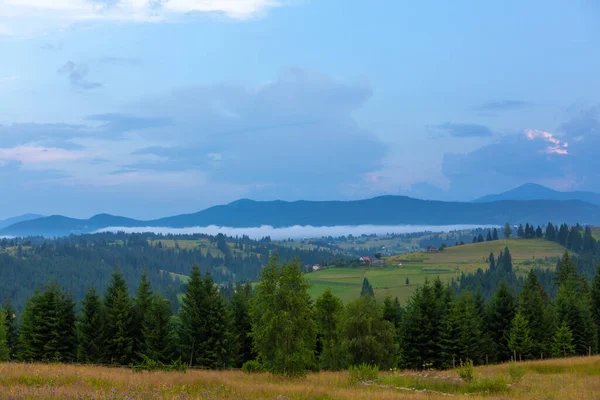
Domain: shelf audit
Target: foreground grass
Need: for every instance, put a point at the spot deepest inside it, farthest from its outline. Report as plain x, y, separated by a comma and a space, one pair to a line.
574, 378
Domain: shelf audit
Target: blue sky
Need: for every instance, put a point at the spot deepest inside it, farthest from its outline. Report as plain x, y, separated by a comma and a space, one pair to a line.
149, 108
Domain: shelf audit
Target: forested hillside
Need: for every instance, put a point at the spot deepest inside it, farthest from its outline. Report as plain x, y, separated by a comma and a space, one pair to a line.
79, 262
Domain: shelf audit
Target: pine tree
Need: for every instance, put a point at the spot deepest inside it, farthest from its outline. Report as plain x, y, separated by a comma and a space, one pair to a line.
328, 315
156, 330
500, 314
4, 349
283, 326
562, 235
550, 232
141, 305
566, 271
520, 231
562, 344
242, 324
495, 234
90, 329
519, 338
118, 337
480, 238
488, 237
48, 327
369, 337
589, 243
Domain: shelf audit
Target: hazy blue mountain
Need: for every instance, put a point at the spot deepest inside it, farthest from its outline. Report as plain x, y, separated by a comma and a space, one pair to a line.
532, 191
384, 210
25, 217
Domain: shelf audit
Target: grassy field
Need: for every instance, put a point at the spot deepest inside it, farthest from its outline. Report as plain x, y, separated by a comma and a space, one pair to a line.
416, 267
574, 378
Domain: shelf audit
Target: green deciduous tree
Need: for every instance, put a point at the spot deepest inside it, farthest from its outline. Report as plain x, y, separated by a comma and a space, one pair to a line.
283, 326
369, 337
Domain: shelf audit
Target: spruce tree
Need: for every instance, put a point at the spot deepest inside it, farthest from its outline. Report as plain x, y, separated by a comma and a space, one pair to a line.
562, 343
519, 340
48, 327
283, 327
492, 262
242, 324
495, 234
534, 306
90, 329
328, 315
488, 237
595, 299
12, 331
550, 232
370, 339
4, 349
159, 340
141, 305
520, 231
118, 338
538, 232
500, 314
507, 231
367, 289
462, 335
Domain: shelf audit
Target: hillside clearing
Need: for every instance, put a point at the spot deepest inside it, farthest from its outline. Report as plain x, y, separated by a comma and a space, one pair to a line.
416, 267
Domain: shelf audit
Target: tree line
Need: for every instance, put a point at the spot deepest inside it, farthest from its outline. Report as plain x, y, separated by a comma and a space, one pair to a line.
277, 327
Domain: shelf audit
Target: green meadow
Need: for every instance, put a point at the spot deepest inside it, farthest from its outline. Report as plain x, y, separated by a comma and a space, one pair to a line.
418, 266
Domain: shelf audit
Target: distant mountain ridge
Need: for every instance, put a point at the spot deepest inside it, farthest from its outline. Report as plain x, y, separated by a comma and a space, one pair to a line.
25, 217
532, 191
384, 210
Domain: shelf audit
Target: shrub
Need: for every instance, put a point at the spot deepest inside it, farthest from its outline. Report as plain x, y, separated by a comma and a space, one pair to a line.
177, 365
466, 371
515, 372
148, 364
252, 367
362, 372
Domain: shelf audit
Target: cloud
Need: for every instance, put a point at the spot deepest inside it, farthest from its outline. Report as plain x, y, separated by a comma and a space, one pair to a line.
37, 154
504, 105
115, 123
567, 162
36, 16
77, 74
49, 135
556, 145
58, 46
8, 79
464, 130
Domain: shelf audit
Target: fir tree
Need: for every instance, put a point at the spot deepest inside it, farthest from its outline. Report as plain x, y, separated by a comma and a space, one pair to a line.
367, 289
520, 231
462, 335
4, 349
328, 315
495, 234
12, 332
118, 336
141, 305
562, 343
519, 338
242, 324
550, 232
48, 327
507, 231
488, 237
156, 330
595, 299
538, 232
500, 314
492, 262
90, 329
533, 306
283, 326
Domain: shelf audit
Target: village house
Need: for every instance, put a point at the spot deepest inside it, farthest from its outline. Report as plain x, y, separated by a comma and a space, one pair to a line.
365, 260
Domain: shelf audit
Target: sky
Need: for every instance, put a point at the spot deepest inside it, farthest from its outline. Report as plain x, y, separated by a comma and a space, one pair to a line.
150, 108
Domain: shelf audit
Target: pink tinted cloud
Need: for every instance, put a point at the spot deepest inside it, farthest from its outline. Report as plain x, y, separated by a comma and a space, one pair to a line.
37, 154
556, 145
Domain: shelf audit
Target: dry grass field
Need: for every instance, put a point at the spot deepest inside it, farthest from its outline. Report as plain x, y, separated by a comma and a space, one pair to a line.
573, 378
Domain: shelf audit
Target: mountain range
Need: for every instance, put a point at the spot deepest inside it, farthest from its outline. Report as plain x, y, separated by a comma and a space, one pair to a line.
384, 210
532, 191
25, 217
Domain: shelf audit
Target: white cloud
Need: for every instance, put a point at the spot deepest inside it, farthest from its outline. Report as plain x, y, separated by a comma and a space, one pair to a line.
30, 154
8, 79
33, 16
556, 145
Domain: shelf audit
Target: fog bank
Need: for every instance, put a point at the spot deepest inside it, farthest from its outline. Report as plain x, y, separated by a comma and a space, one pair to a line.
297, 231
